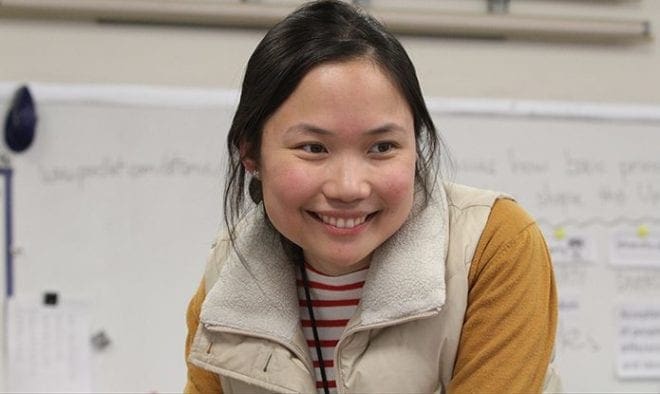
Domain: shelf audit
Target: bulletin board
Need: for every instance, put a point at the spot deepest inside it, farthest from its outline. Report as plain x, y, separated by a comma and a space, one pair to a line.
117, 202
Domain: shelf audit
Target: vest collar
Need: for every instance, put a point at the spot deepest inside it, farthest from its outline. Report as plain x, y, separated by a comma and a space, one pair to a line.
258, 296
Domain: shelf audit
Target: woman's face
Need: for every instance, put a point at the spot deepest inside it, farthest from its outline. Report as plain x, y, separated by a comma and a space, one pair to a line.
338, 164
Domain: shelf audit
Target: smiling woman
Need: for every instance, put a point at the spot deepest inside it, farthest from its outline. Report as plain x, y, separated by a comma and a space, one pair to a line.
345, 139
352, 269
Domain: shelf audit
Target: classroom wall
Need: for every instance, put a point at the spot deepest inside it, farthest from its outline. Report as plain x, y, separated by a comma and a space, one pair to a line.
82, 52
66, 52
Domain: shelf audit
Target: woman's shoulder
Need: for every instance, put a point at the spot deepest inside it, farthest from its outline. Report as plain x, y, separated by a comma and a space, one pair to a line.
510, 240
507, 219
502, 214
461, 197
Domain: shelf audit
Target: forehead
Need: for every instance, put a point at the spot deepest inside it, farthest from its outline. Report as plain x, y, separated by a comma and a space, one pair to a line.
358, 78
350, 96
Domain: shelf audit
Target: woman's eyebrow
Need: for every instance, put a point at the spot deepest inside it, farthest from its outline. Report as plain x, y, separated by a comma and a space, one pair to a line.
386, 128
308, 128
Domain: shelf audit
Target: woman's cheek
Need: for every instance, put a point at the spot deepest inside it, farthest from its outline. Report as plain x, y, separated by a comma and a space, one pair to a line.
401, 183
289, 184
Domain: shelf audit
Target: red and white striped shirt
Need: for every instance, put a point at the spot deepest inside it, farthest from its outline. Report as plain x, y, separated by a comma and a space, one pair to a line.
334, 300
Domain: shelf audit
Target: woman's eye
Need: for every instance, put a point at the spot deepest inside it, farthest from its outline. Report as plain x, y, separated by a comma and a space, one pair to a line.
313, 148
382, 147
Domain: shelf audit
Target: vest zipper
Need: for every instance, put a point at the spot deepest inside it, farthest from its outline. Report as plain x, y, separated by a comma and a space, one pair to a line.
355, 329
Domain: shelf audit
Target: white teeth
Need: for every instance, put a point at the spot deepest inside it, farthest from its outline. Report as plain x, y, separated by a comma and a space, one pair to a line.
343, 223
329, 220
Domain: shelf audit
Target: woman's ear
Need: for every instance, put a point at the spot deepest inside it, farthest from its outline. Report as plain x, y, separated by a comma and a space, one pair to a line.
249, 164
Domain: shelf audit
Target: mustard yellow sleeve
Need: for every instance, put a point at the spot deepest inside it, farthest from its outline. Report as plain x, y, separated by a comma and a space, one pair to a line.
200, 381
510, 322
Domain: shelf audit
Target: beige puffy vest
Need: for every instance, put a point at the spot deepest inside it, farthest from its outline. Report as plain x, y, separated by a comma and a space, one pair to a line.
250, 333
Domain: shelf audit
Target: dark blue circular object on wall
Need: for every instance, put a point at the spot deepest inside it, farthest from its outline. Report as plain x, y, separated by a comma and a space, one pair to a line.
21, 121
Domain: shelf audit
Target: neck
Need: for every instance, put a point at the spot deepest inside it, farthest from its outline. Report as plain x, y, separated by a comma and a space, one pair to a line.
336, 269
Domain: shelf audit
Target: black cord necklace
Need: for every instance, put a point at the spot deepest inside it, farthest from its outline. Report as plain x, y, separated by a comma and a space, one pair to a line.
317, 342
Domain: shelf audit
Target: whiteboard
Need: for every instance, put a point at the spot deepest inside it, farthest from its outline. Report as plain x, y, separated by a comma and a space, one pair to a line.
5, 174
119, 198
116, 205
592, 180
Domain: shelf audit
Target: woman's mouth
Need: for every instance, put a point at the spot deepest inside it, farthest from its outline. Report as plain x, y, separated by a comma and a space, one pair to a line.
343, 222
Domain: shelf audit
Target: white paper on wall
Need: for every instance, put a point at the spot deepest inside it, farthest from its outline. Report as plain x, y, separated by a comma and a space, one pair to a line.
635, 246
639, 341
571, 245
48, 347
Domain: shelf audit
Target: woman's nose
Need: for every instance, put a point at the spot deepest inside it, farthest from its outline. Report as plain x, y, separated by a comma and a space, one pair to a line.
347, 181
